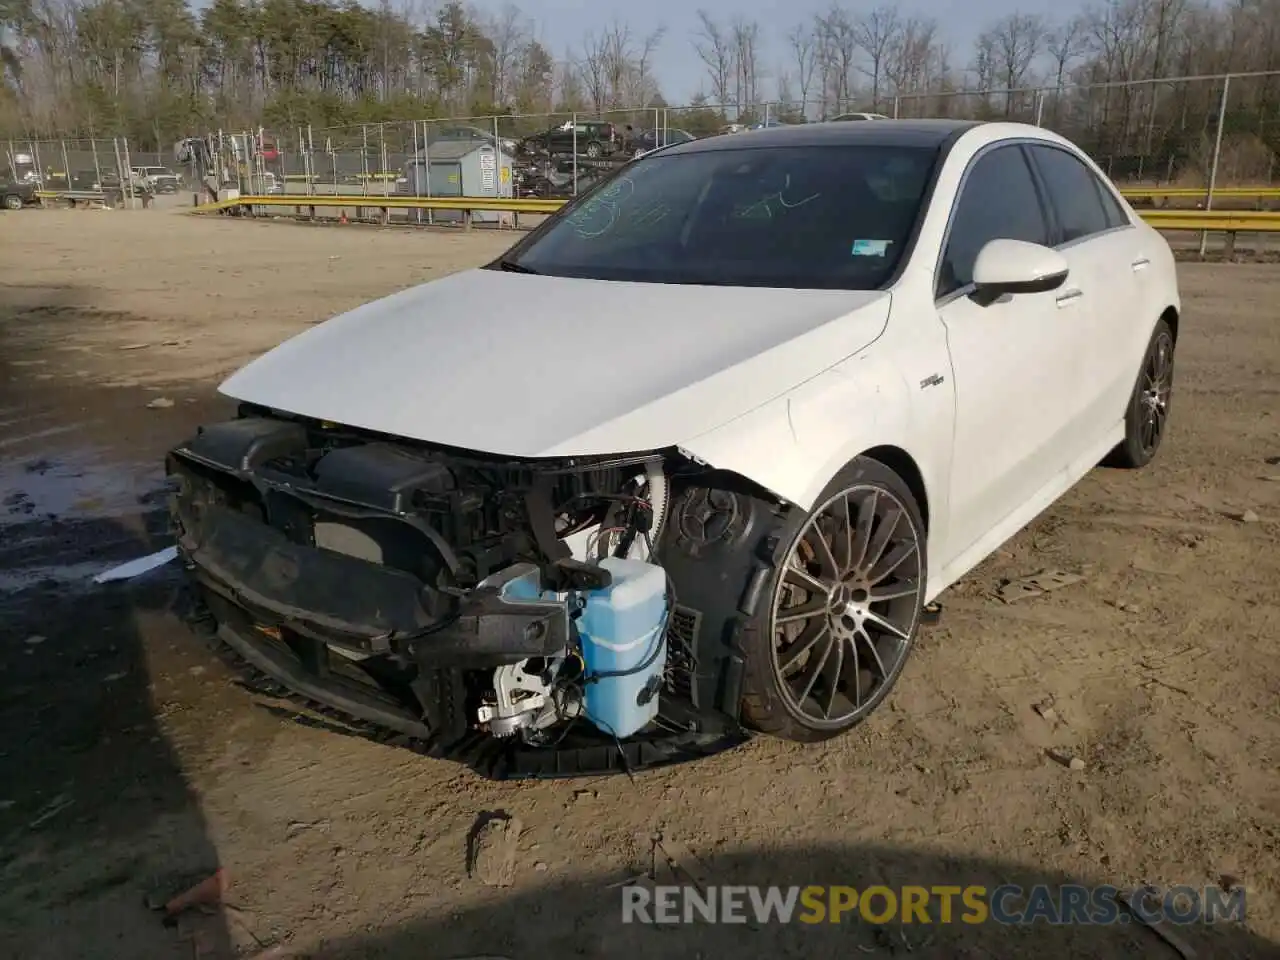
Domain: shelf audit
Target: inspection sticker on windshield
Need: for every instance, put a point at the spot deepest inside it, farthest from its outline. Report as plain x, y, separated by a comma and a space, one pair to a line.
870, 248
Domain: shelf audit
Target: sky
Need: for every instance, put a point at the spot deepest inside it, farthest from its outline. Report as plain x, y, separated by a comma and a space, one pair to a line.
561, 24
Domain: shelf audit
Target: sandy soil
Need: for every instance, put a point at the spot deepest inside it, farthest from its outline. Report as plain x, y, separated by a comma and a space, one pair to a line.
131, 762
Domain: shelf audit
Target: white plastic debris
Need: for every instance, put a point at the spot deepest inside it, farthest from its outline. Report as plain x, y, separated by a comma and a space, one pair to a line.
135, 568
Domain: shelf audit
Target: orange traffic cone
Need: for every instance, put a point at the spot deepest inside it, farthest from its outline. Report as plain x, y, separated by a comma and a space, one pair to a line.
342, 218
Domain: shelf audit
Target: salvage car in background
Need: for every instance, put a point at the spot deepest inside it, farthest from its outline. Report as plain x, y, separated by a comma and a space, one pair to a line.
653, 139
463, 132
840, 364
160, 179
18, 193
590, 138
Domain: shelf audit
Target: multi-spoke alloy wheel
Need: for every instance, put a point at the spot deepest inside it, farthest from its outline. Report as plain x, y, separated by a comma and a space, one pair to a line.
846, 606
1157, 384
1147, 418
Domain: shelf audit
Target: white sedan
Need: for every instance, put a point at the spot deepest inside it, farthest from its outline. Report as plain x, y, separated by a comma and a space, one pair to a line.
815, 375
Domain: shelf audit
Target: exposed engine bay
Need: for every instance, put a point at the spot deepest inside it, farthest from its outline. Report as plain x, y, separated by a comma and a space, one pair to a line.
533, 618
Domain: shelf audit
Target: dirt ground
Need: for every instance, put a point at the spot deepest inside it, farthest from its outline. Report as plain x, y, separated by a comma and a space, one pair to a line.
130, 763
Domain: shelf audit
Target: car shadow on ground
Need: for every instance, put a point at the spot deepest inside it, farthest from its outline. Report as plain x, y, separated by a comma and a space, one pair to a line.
583, 918
96, 813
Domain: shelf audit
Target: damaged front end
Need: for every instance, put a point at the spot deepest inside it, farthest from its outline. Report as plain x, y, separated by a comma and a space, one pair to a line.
511, 614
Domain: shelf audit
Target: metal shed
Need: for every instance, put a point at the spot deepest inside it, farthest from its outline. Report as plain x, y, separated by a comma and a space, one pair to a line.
460, 168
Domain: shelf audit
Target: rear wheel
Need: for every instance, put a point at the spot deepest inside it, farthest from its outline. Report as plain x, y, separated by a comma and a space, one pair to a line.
1147, 418
846, 599
594, 150
12, 202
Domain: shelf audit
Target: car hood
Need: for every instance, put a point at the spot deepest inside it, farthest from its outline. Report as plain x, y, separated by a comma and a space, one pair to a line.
533, 366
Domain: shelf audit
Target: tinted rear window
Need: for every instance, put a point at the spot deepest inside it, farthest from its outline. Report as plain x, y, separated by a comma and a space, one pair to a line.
812, 217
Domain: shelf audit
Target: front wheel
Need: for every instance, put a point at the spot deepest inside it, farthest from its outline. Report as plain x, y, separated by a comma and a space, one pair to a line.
594, 150
846, 597
1146, 418
12, 202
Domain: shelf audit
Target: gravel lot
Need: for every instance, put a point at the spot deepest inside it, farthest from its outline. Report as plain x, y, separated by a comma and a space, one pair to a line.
131, 763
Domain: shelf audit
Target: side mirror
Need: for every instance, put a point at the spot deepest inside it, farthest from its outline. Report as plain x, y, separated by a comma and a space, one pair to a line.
1015, 266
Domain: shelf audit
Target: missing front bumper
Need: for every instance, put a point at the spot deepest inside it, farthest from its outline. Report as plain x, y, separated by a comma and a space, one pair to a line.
440, 729
363, 606
381, 640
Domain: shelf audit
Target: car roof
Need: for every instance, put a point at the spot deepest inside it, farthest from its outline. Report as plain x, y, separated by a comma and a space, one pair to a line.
890, 133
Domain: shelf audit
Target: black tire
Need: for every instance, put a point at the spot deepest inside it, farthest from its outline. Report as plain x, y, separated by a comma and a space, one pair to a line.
766, 705
1147, 418
12, 202
594, 150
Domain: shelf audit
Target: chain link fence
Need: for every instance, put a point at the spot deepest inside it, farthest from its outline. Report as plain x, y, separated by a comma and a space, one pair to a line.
94, 168
1191, 132
1188, 132
1156, 132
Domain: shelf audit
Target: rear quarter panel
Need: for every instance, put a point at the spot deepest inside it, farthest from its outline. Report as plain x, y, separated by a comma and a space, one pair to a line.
1159, 294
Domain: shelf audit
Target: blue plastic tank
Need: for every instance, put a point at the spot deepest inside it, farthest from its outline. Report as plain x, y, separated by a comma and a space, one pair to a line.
525, 587
623, 629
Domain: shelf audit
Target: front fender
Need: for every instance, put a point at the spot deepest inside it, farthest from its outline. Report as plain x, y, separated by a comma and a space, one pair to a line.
794, 445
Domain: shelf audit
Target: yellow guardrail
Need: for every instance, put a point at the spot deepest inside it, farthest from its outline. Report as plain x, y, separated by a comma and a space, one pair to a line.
1221, 221
1212, 220
1133, 193
70, 194
501, 204
1199, 193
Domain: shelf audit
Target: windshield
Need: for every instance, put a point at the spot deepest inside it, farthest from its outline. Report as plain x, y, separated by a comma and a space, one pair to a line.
805, 217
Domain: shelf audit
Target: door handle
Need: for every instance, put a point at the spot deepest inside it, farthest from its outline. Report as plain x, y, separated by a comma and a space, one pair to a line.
1140, 264
1068, 298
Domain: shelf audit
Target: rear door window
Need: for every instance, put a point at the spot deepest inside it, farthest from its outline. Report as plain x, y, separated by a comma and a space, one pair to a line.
1115, 212
1074, 192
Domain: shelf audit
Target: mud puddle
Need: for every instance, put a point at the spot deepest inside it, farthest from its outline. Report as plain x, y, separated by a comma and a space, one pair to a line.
68, 511
82, 484
79, 483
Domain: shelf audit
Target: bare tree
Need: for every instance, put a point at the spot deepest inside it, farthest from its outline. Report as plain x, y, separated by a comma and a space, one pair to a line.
874, 34
570, 83
645, 86
509, 33
746, 38
1065, 45
804, 49
1122, 41
1164, 17
910, 62
1013, 42
714, 47
593, 70
984, 65
838, 44
617, 61
1119, 34
616, 69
